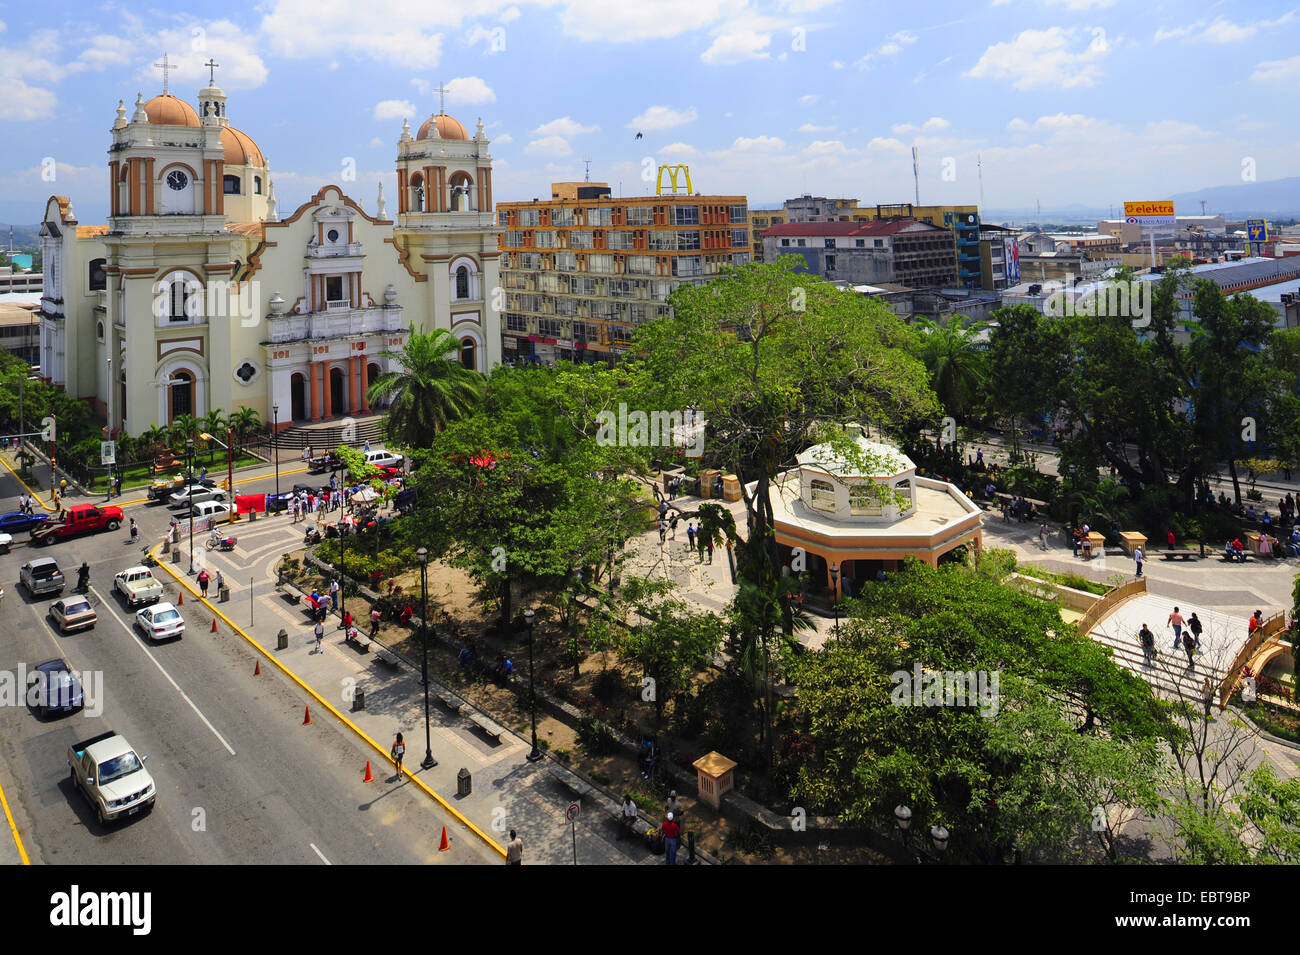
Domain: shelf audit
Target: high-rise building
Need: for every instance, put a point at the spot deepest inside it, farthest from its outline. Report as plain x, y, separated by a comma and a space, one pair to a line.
760, 220
581, 271
963, 221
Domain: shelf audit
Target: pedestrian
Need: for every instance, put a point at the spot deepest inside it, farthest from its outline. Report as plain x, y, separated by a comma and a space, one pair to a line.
1256, 620
1171, 540
671, 832
320, 636
221, 583
979, 457
1042, 534
203, 583
374, 622
135, 531
1190, 646
663, 530
690, 535
627, 816
1138, 557
708, 545
334, 594
1207, 694
1176, 621
398, 751
674, 807
1148, 641
672, 524
514, 849
1194, 625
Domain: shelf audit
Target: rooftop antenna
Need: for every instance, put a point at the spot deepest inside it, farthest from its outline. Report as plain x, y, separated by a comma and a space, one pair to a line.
165, 66
979, 162
587, 178
916, 175
1202, 207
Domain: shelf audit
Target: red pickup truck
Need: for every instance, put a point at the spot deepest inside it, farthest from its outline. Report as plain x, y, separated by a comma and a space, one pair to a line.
77, 520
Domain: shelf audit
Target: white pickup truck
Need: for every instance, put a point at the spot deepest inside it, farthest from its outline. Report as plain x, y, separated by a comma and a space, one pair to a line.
137, 585
112, 776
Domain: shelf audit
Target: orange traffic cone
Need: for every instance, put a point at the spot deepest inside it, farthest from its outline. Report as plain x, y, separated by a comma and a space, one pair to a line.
306, 715
368, 778
257, 668
180, 600
214, 624
444, 845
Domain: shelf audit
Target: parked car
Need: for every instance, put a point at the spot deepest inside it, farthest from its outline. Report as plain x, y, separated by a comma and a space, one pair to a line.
138, 586
217, 510
73, 613
6, 542
77, 520
383, 458
16, 522
41, 577
195, 493
110, 774
160, 621
52, 686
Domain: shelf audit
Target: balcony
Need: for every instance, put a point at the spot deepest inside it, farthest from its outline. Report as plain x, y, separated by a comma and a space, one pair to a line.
341, 323
334, 251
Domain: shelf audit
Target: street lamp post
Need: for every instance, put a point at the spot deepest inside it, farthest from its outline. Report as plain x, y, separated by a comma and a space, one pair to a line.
230, 466
536, 753
108, 493
275, 452
835, 596
189, 448
903, 818
429, 762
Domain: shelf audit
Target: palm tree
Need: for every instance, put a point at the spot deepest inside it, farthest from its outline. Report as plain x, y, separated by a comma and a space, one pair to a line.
152, 439
431, 390
244, 422
184, 427
956, 361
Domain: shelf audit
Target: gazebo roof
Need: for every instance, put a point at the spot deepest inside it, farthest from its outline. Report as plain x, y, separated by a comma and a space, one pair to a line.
889, 461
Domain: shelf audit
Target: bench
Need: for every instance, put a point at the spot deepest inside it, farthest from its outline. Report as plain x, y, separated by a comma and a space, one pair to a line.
386, 657
354, 637
1246, 555
290, 593
489, 728
1177, 554
452, 703
575, 786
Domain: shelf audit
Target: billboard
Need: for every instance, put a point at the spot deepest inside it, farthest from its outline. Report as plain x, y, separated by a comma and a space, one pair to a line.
1157, 208
1011, 258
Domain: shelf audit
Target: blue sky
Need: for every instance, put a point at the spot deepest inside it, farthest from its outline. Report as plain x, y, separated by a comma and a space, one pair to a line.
1067, 101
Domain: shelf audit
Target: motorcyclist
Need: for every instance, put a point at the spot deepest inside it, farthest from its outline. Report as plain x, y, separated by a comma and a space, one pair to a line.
83, 576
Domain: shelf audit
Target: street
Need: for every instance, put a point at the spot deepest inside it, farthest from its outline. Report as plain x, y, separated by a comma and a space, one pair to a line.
240, 778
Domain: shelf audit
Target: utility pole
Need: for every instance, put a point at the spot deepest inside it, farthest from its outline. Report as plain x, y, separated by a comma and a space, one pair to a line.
916, 175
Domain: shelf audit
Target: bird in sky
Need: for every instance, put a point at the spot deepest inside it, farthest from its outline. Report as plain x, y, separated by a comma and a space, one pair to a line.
638, 135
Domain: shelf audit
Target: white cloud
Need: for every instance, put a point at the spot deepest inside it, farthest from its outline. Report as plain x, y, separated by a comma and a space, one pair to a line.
826, 147
1044, 58
399, 32
679, 149
1069, 4
836, 65
936, 122
469, 91
1017, 125
503, 139
737, 47
808, 99
564, 126
493, 39
663, 117
1221, 30
1277, 71
765, 143
421, 86
376, 143
814, 128
887, 144
230, 45
508, 15
930, 125
549, 147
394, 109
892, 46
635, 22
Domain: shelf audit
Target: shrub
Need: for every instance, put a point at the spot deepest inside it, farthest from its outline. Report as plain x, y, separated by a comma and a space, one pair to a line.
608, 686
596, 737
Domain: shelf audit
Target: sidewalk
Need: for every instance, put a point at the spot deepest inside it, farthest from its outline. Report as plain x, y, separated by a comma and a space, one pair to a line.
507, 790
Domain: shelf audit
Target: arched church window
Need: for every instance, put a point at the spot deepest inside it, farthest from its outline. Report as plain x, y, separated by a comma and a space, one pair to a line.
462, 282
257, 185
468, 357
230, 185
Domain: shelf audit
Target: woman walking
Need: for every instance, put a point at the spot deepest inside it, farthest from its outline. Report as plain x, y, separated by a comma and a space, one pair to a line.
398, 751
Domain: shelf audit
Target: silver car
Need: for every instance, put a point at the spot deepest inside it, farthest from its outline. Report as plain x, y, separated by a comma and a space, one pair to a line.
160, 621
41, 577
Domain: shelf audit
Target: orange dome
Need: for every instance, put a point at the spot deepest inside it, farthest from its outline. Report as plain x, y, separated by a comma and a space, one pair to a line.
448, 128
240, 148
167, 110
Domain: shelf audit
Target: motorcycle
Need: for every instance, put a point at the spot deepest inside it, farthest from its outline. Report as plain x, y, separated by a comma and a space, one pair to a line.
222, 543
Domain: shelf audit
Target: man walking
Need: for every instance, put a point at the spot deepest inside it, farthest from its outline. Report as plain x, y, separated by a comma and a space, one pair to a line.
334, 594
1148, 641
628, 816
1194, 625
1190, 646
135, 531
672, 833
690, 535
514, 849
320, 636
1138, 557
1176, 621
1042, 534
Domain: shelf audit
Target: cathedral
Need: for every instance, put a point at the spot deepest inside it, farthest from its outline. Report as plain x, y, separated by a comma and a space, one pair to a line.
199, 294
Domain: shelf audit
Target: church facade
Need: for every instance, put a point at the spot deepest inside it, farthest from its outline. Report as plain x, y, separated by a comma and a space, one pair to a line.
199, 295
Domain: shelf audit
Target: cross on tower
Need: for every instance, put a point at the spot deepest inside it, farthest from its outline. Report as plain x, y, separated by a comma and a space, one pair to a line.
442, 92
165, 66
212, 66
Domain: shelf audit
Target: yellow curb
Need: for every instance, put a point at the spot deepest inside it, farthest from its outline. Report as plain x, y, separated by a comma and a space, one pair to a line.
48, 507
384, 754
13, 827
145, 500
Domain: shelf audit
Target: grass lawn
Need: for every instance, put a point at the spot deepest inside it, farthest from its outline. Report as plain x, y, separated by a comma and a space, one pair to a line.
137, 475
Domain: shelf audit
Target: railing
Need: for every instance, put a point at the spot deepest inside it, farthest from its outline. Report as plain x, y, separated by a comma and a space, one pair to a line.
1272, 625
336, 324
1108, 602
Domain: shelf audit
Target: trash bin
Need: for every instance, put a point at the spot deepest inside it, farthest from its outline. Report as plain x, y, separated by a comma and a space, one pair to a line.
358, 699
282, 640
223, 594
176, 555
464, 782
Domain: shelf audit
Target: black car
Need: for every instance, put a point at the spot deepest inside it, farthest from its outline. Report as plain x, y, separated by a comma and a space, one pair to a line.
16, 522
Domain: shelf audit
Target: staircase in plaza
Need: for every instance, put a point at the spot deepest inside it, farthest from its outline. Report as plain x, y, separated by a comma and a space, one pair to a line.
323, 435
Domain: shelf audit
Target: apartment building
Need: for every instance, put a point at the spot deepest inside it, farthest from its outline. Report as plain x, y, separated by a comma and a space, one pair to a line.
902, 251
962, 221
581, 271
759, 221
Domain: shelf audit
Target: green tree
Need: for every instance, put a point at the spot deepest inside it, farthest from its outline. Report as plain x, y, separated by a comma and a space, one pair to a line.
245, 422
955, 358
673, 645
431, 390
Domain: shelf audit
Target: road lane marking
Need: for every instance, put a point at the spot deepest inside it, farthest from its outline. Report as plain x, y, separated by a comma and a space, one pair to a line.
13, 828
321, 854
131, 633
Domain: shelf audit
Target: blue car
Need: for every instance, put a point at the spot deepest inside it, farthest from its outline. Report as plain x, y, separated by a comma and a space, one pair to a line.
16, 522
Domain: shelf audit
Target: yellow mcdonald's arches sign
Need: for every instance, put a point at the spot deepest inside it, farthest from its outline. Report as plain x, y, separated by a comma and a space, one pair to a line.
672, 174
1161, 208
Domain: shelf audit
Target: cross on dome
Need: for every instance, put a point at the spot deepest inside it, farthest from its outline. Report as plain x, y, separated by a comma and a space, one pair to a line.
212, 66
165, 66
442, 92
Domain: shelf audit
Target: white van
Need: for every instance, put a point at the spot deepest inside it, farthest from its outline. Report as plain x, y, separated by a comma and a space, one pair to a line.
383, 458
